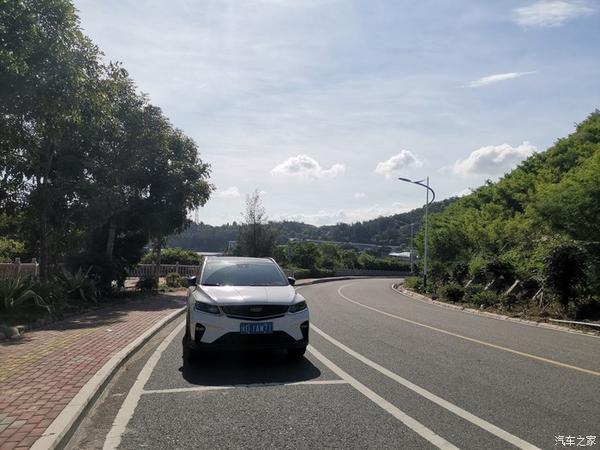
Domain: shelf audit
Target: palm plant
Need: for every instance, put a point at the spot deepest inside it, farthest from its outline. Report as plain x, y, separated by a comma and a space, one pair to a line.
14, 292
78, 285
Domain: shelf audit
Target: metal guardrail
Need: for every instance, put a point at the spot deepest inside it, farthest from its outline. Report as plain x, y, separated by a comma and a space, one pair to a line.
589, 324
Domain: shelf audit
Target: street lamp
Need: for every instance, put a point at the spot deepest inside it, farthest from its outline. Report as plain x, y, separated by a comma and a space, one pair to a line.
427, 203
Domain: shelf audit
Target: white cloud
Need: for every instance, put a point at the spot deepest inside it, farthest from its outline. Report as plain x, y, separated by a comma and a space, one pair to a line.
550, 13
465, 191
360, 195
303, 166
403, 160
497, 78
230, 192
493, 159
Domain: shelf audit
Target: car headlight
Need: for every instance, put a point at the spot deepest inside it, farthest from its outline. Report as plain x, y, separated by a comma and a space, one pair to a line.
297, 307
206, 307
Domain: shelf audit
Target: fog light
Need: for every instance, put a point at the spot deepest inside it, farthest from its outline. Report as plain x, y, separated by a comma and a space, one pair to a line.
200, 329
304, 328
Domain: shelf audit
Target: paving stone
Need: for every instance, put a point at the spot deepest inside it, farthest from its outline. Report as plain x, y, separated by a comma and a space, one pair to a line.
41, 374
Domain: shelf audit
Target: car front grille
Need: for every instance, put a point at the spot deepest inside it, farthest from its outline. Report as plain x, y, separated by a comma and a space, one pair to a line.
254, 312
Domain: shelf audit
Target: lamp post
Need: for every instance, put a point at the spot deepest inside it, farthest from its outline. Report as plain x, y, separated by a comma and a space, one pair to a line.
426, 186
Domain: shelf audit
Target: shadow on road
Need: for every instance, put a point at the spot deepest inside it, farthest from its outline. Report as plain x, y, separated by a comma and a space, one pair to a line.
231, 368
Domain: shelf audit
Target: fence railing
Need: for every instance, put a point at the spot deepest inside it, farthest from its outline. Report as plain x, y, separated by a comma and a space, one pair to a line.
19, 269
148, 270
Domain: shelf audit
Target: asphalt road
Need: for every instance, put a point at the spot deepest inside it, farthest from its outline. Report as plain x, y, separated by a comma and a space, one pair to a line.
383, 371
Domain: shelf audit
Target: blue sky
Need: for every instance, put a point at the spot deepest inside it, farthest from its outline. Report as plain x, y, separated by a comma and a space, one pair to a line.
322, 104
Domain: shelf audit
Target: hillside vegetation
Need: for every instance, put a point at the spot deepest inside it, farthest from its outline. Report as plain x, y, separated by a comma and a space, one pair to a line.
539, 224
392, 230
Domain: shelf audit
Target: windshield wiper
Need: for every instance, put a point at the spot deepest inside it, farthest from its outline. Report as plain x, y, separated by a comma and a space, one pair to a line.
211, 284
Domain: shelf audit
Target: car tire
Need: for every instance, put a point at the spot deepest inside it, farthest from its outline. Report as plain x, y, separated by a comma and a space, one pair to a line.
296, 353
189, 354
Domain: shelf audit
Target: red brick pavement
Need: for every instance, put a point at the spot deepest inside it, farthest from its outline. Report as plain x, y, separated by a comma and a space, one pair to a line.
41, 373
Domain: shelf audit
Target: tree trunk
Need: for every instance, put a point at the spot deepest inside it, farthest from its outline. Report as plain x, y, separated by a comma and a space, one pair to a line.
44, 250
110, 242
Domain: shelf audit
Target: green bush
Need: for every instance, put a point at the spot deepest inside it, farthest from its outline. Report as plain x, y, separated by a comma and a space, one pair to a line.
78, 286
174, 255
472, 291
19, 291
415, 283
10, 249
299, 274
453, 292
173, 280
147, 283
101, 269
485, 298
589, 310
319, 272
477, 266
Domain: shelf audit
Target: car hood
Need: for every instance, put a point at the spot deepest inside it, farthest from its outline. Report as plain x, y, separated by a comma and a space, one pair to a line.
234, 295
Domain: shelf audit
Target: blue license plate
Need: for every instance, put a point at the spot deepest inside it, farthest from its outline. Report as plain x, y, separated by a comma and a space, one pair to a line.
256, 328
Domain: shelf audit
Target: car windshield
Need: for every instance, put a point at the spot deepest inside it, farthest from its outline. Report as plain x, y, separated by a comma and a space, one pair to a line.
242, 273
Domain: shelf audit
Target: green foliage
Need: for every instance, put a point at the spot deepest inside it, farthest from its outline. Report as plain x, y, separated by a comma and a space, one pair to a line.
485, 298
300, 274
383, 231
304, 254
19, 291
174, 255
173, 280
101, 269
148, 283
453, 292
255, 235
10, 249
280, 254
77, 286
89, 166
510, 229
472, 292
565, 272
415, 283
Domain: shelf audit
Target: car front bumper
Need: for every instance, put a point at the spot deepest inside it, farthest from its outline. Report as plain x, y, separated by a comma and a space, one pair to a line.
220, 332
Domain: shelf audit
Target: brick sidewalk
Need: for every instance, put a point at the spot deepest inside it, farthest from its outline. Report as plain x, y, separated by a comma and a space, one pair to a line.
41, 373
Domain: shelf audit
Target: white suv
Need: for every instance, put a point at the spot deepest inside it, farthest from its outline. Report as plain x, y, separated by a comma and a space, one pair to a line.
244, 303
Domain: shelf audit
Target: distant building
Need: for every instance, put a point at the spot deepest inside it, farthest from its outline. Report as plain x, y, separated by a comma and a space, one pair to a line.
400, 255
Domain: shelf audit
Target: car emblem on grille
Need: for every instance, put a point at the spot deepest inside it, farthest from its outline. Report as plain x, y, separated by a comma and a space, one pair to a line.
256, 309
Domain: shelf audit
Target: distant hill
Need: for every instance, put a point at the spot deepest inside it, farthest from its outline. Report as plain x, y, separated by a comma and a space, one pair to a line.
386, 231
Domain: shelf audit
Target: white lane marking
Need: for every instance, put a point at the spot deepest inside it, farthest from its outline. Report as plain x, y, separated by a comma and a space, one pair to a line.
411, 423
238, 386
491, 428
466, 338
494, 316
113, 438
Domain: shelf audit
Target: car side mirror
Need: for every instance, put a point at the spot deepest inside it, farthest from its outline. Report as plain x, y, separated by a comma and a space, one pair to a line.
191, 281
292, 281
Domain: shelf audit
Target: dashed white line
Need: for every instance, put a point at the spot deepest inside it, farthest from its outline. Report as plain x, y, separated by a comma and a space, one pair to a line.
466, 338
481, 423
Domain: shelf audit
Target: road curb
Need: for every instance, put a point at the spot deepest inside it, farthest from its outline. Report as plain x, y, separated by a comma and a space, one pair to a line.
61, 429
425, 299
